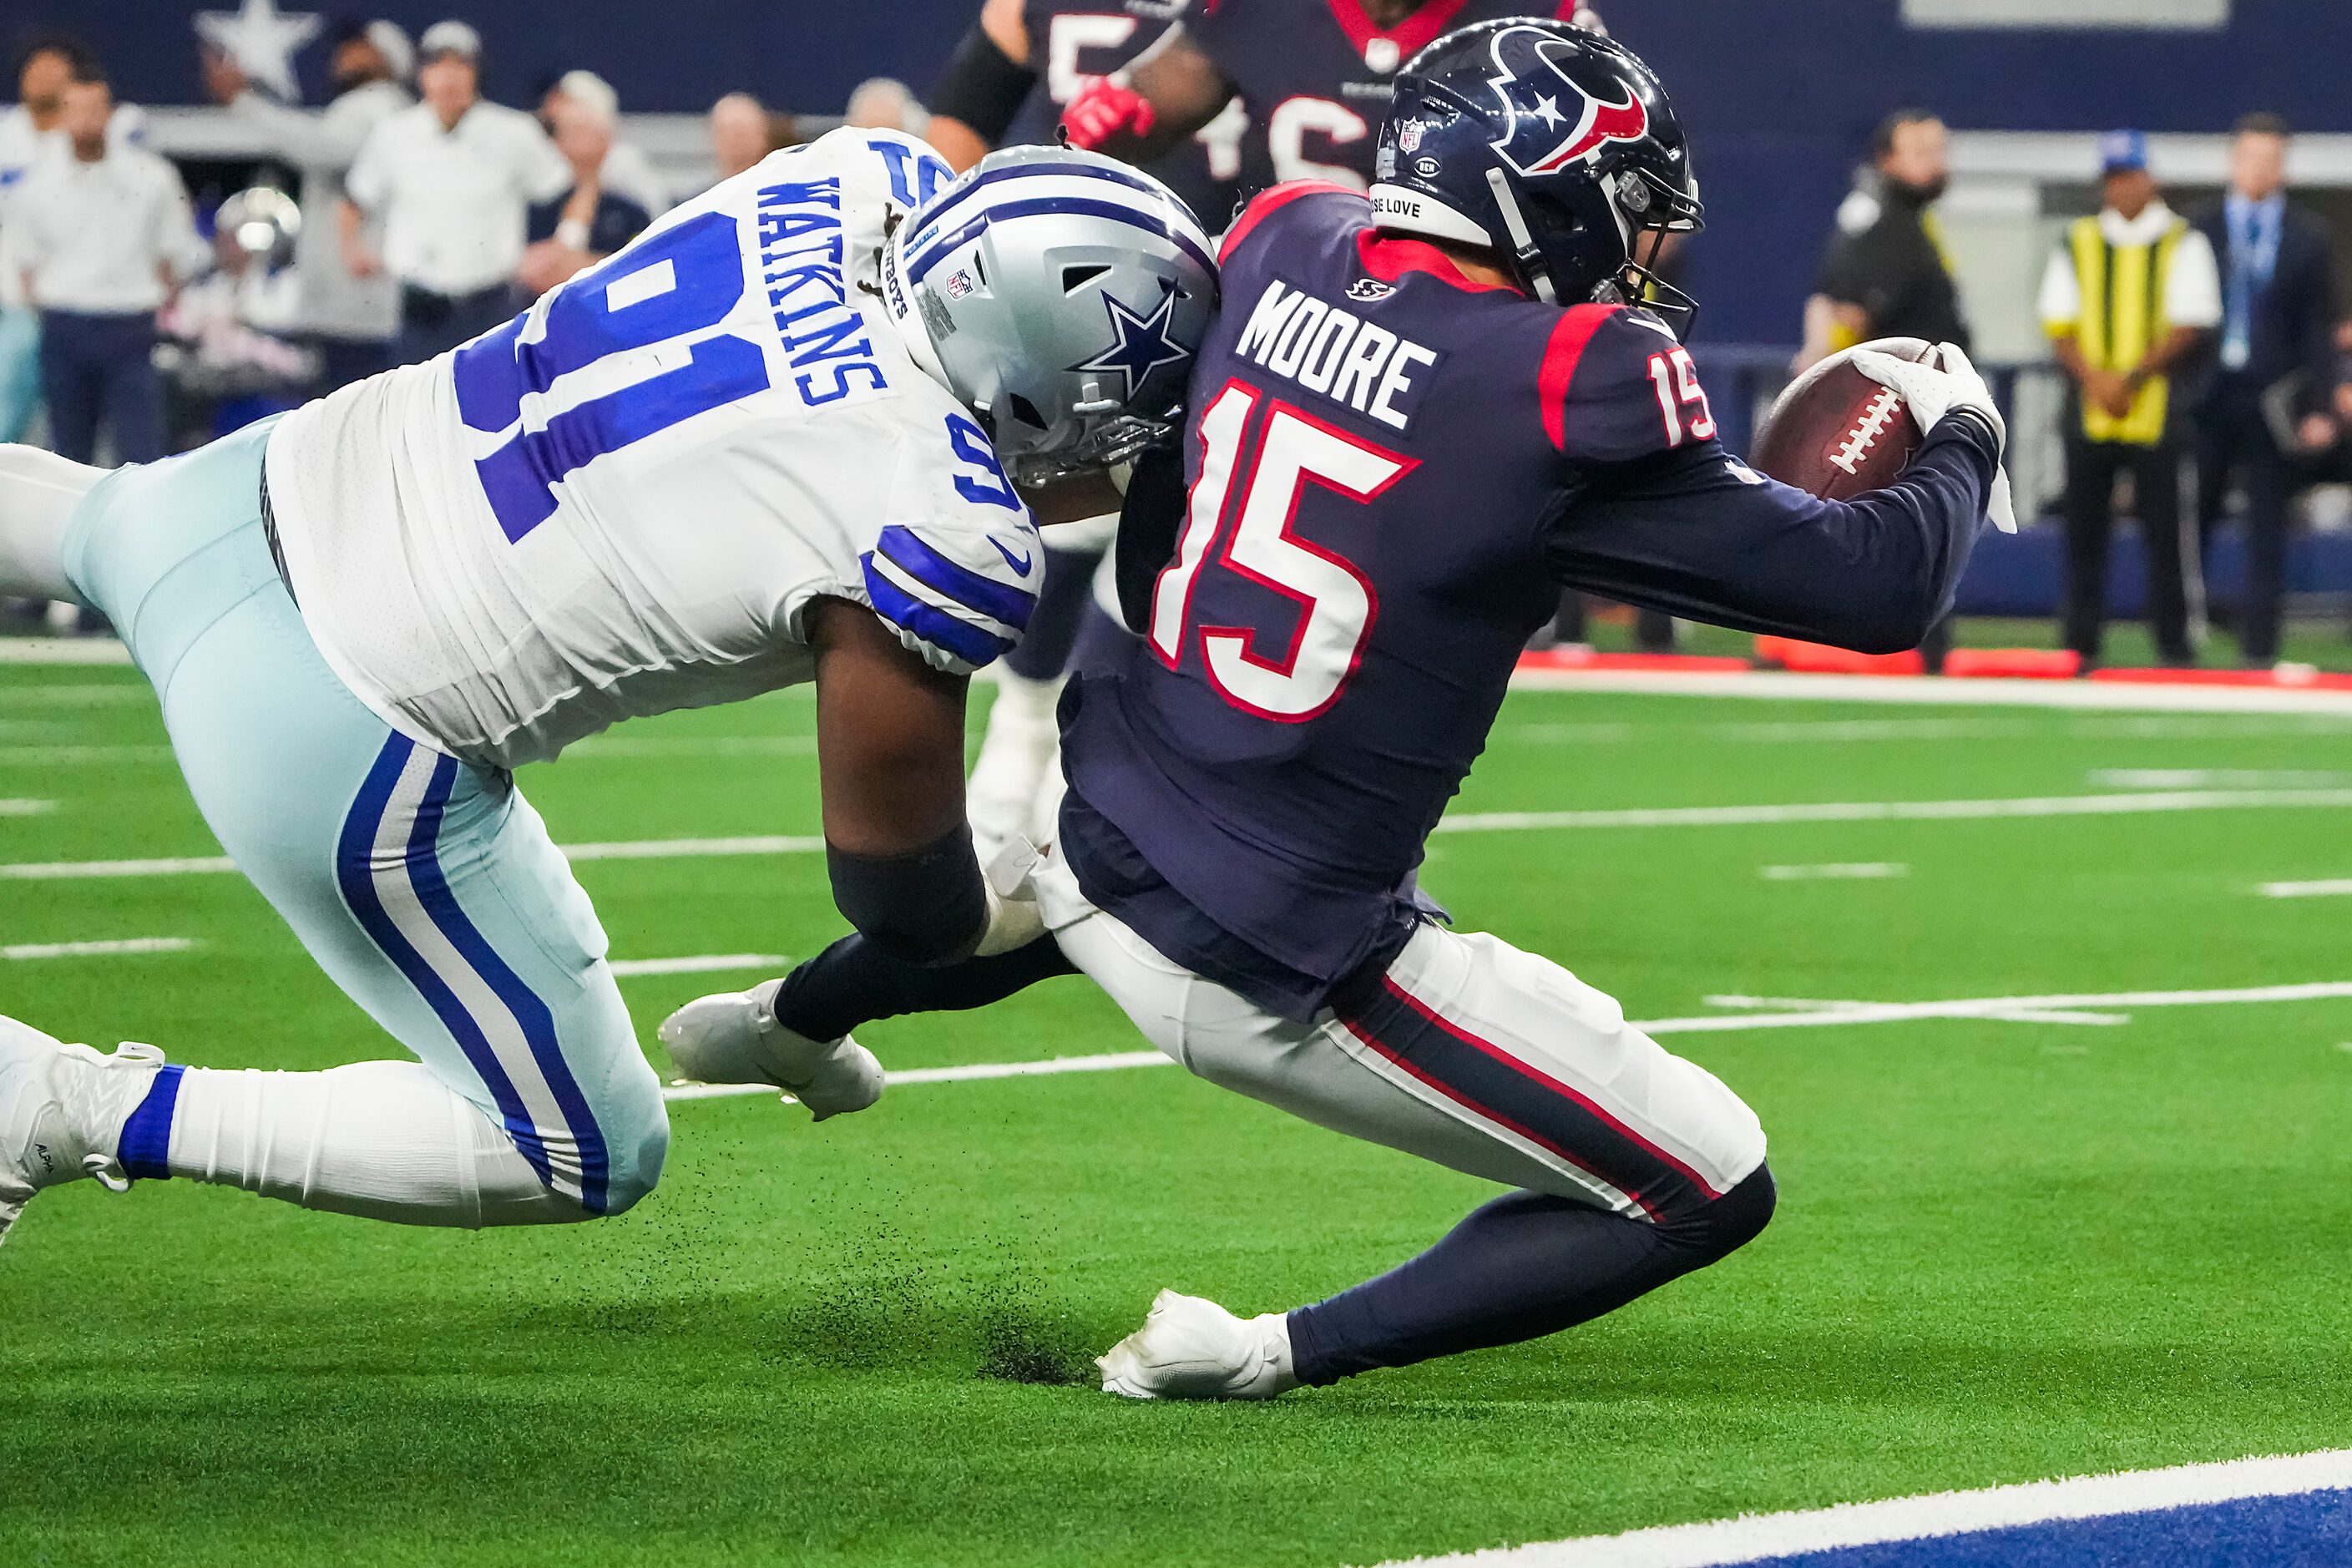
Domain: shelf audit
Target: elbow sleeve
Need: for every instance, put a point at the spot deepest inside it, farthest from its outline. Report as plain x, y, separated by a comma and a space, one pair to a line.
927, 907
983, 85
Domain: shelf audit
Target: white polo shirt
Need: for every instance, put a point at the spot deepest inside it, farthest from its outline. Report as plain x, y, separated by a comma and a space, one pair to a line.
20, 147
95, 236
455, 203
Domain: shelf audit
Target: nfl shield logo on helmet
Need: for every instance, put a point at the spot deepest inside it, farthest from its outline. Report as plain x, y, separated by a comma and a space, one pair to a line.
1554, 119
1408, 136
959, 284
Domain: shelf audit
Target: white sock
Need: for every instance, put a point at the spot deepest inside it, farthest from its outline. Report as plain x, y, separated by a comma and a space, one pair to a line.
1014, 756
382, 1139
38, 491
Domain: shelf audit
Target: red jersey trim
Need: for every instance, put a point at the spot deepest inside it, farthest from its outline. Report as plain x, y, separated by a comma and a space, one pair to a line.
1389, 256
1412, 35
1561, 352
1270, 202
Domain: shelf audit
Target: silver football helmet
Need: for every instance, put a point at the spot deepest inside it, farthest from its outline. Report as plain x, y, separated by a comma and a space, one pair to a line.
1062, 296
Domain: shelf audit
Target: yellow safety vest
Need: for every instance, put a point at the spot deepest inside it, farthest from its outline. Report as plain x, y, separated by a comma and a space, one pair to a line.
2122, 318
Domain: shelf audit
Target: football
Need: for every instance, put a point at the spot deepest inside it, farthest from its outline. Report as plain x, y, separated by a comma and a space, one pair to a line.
1835, 432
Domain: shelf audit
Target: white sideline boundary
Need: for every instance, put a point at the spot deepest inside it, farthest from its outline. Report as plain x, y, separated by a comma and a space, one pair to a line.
2067, 1009
1930, 690
2135, 804
1752, 1537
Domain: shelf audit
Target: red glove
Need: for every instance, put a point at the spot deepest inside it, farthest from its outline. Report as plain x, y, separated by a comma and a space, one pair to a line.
1104, 111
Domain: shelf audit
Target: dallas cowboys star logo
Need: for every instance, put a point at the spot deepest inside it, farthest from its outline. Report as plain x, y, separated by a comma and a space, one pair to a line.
1140, 345
262, 40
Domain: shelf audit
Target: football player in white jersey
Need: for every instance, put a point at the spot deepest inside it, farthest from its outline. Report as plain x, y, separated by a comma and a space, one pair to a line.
774, 440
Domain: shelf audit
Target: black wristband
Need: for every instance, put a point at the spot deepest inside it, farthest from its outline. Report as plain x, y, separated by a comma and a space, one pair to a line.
927, 907
983, 85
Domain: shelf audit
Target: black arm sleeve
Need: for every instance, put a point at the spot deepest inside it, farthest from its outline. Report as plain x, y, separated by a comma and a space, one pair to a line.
982, 86
925, 908
1693, 533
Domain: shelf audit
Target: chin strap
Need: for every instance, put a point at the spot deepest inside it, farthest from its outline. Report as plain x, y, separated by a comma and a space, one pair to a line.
1523, 244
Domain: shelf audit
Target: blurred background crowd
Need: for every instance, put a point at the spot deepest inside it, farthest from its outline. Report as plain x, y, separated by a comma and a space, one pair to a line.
207, 216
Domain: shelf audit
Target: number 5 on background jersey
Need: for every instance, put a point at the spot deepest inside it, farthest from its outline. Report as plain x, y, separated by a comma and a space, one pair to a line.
1285, 678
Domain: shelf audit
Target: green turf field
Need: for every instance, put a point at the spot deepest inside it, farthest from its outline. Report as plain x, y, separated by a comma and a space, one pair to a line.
2006, 1248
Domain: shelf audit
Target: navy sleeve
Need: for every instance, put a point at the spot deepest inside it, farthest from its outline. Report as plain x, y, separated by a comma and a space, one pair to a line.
1698, 534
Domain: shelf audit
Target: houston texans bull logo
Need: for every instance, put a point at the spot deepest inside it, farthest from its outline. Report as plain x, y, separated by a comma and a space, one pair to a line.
1554, 119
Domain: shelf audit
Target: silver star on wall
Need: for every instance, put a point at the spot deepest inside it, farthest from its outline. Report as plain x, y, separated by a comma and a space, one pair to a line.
262, 40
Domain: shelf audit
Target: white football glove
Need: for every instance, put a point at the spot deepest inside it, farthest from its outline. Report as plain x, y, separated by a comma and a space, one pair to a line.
1932, 391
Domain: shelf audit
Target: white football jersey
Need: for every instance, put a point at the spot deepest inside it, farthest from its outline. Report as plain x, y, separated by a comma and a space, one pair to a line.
622, 502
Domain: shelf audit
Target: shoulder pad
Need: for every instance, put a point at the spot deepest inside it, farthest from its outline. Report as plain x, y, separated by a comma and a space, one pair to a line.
1267, 203
1610, 377
958, 581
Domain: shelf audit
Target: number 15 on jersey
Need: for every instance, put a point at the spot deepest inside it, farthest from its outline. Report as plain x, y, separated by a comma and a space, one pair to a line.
1285, 673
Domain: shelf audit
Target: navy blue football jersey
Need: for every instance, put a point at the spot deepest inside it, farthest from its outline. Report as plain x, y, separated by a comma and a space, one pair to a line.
1073, 42
1315, 76
1390, 472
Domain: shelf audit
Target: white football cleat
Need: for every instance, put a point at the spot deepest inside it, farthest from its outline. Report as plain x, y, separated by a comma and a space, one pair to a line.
61, 1112
735, 1038
1193, 1349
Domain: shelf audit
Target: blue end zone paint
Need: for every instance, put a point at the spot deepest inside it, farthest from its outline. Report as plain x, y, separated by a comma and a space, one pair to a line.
2307, 1529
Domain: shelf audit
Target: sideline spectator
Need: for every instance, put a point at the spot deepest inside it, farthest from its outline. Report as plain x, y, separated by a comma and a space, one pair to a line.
885, 103
1891, 278
2278, 306
2128, 296
44, 66
572, 232
350, 320
104, 235
739, 133
628, 171
453, 179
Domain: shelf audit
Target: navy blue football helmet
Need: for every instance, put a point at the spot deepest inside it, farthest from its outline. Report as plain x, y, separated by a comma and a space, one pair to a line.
1550, 144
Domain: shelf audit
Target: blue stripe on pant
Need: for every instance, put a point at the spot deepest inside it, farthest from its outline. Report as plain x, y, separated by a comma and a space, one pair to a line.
427, 889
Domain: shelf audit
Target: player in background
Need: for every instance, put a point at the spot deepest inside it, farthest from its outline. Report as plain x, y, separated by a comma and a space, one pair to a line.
714, 465
1315, 78
1006, 85
1415, 418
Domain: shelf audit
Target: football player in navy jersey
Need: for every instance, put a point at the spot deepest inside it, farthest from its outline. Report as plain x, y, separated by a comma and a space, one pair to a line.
1314, 76
1416, 418
1006, 85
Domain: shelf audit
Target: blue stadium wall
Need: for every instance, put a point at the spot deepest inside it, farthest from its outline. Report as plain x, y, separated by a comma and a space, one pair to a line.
1779, 94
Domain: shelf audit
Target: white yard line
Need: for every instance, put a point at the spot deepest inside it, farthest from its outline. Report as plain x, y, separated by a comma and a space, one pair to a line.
686, 746
1898, 810
1053, 1067
2007, 1016
82, 695
708, 963
2215, 778
1935, 691
2128, 804
1757, 1536
25, 950
62, 650
1824, 1015
2332, 888
70, 756
1836, 871
26, 807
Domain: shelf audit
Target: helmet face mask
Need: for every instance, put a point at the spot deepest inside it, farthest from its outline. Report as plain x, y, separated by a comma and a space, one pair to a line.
1061, 297
1550, 144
